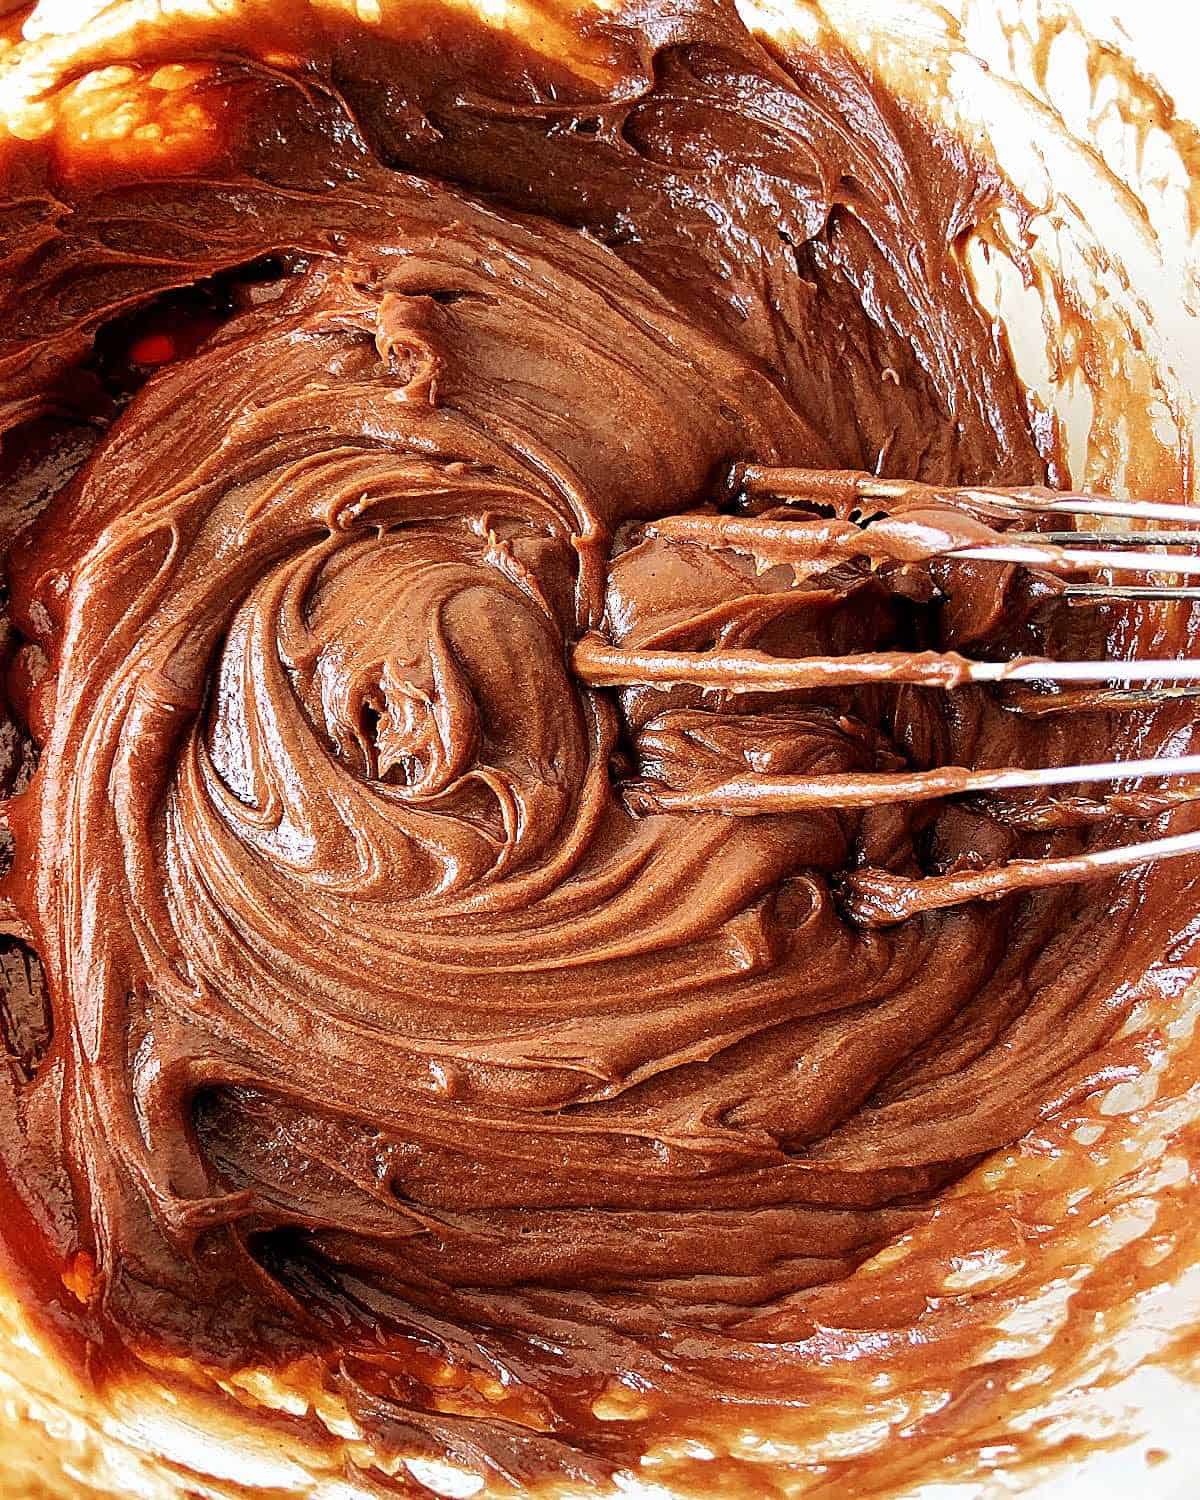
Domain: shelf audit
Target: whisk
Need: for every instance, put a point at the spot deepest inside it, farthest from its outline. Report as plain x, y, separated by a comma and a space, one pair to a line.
812, 520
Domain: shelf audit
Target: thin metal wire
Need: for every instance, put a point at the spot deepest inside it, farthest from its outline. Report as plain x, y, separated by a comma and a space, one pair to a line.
1165, 593
1082, 557
750, 671
827, 485
750, 796
880, 897
1166, 538
831, 540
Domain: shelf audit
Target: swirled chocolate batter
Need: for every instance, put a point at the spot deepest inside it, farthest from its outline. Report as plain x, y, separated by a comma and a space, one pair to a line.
379, 1025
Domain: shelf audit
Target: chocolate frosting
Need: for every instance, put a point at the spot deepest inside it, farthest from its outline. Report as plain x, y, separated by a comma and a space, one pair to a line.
388, 1025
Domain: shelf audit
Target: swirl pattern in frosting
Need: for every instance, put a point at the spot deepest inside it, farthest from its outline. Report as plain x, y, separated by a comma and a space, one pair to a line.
383, 1025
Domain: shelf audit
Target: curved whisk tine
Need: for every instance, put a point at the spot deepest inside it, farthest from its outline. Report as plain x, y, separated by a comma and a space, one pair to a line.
599, 664
879, 898
845, 487
859, 517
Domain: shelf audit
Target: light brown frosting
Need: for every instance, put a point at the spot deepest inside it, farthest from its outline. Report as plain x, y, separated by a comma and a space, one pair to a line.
360, 1010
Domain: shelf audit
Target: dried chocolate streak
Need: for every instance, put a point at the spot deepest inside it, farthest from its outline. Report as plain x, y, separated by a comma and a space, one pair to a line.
382, 1026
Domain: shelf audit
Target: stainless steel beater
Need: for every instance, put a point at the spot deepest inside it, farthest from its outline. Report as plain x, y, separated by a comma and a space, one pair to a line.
818, 519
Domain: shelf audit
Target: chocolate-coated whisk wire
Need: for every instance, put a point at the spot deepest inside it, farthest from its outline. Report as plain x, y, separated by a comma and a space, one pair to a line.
857, 517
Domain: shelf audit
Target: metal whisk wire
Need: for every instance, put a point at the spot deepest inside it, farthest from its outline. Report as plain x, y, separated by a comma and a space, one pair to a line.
853, 517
